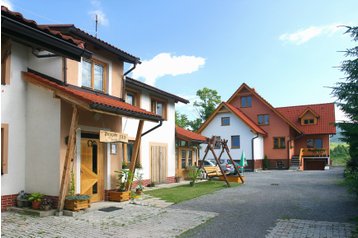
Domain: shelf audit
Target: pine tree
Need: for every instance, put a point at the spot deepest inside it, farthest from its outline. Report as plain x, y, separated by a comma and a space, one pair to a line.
347, 94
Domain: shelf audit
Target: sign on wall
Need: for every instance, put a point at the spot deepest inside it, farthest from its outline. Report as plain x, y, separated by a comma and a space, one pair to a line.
111, 137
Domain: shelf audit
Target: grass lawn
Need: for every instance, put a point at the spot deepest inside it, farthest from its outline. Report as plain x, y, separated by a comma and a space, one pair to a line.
186, 192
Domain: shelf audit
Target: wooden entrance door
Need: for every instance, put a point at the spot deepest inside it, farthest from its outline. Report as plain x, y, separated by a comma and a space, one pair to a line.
159, 162
92, 169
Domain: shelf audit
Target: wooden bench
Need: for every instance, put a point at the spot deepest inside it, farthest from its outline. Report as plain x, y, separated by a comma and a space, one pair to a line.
212, 171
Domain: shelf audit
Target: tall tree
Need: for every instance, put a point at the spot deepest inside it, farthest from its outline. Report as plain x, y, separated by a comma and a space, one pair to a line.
181, 120
347, 94
209, 99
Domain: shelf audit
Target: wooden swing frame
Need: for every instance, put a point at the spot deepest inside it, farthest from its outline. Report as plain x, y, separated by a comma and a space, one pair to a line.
224, 148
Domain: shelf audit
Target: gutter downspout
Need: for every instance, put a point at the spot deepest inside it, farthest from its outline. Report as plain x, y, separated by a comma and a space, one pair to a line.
253, 151
152, 129
124, 80
64, 64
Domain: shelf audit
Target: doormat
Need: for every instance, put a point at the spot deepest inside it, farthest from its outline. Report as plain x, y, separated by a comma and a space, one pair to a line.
109, 209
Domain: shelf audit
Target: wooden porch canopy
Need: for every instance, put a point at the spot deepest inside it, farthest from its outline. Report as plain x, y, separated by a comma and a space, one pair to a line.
189, 136
94, 102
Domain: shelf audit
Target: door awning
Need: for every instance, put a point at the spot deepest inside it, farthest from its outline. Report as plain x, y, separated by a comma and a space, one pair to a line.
88, 99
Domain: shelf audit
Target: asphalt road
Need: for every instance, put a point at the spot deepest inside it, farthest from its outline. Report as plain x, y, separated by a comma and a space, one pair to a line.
250, 210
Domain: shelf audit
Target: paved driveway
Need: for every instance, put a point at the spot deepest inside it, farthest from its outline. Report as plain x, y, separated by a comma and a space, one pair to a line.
271, 199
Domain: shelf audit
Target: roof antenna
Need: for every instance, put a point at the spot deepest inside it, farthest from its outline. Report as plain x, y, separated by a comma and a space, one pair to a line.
96, 23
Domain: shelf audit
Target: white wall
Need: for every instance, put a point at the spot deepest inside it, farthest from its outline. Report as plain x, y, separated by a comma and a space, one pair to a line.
259, 148
163, 135
13, 112
33, 117
49, 66
236, 127
43, 141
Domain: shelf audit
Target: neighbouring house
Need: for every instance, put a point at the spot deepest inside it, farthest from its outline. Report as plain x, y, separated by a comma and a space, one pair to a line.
157, 153
60, 86
295, 136
187, 150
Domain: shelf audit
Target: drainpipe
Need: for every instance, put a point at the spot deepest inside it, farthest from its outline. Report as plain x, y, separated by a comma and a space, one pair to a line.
64, 63
124, 80
253, 152
150, 130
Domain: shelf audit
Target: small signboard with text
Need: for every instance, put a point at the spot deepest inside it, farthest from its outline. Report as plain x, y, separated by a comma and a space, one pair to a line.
112, 137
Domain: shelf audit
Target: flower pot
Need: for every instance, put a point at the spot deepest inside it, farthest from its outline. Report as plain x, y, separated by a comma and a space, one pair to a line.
138, 191
36, 205
76, 205
117, 196
23, 202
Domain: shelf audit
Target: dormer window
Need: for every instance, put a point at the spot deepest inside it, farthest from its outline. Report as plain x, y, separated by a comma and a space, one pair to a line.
308, 117
308, 121
94, 74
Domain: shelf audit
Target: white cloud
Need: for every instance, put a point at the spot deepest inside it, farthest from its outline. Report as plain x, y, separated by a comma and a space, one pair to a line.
7, 3
304, 35
101, 16
166, 64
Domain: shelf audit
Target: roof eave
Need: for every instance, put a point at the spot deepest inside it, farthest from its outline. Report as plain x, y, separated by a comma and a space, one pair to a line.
122, 55
25, 34
137, 115
138, 84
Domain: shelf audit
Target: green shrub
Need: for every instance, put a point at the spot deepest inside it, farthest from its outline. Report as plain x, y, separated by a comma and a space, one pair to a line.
266, 162
193, 173
351, 181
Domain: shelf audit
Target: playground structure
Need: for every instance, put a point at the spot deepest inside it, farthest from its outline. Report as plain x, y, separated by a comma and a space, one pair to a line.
224, 148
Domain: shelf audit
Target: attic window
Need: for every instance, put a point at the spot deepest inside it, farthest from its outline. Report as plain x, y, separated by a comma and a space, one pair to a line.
308, 121
246, 101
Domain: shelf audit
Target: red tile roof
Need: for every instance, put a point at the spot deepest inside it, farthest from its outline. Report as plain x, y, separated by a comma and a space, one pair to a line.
94, 100
19, 17
253, 91
188, 135
325, 123
245, 119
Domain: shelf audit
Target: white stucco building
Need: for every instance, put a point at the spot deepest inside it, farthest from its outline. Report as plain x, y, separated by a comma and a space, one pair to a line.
243, 135
157, 154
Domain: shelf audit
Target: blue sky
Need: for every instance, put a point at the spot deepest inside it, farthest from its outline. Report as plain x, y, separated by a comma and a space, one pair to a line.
286, 50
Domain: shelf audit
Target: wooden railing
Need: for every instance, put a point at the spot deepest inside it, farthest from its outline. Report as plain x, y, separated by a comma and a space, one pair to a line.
311, 152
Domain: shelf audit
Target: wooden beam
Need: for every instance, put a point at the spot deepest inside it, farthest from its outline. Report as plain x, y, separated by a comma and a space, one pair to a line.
224, 144
71, 146
135, 153
218, 163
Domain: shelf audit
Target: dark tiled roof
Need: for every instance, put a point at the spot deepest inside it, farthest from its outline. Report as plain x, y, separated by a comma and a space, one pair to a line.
94, 100
73, 30
19, 18
188, 135
325, 123
139, 84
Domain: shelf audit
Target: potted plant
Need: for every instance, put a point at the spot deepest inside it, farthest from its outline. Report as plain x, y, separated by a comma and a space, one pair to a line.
193, 173
76, 202
139, 188
46, 204
35, 198
138, 165
22, 200
124, 165
120, 194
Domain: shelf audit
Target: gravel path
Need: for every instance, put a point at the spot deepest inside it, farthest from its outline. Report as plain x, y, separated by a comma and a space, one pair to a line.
269, 197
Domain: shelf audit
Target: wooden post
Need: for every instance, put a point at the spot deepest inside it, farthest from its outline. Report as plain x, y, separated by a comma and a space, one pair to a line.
218, 163
71, 146
224, 143
135, 154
